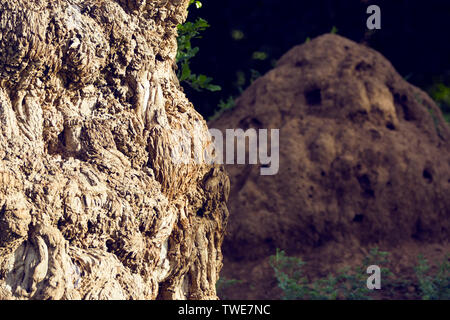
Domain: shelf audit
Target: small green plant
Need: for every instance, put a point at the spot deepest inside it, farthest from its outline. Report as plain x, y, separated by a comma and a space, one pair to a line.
260, 55
295, 285
433, 287
349, 284
379, 258
353, 282
289, 273
240, 83
223, 106
334, 30
186, 52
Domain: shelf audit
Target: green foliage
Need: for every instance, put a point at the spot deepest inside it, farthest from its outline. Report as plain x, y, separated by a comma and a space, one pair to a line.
353, 283
296, 286
186, 52
350, 284
334, 30
240, 83
379, 258
222, 107
241, 79
260, 55
347, 284
237, 35
198, 4
441, 94
433, 287
289, 273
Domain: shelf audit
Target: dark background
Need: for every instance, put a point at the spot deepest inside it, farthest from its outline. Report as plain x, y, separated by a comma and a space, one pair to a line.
414, 37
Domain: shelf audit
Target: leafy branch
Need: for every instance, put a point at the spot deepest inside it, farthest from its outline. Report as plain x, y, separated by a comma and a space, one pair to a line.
186, 52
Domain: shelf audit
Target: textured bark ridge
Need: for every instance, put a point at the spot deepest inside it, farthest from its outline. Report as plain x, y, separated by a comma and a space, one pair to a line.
91, 205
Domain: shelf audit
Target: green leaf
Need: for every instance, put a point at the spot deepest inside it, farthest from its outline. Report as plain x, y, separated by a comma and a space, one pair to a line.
214, 88
186, 71
260, 55
187, 32
198, 4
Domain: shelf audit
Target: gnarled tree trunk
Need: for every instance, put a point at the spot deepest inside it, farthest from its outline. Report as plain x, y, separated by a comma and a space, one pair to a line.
91, 205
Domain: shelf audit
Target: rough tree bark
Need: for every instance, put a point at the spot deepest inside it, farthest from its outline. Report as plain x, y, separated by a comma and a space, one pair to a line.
91, 205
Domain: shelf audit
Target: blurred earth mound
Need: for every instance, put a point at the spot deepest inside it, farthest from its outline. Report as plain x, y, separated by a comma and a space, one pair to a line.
364, 162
